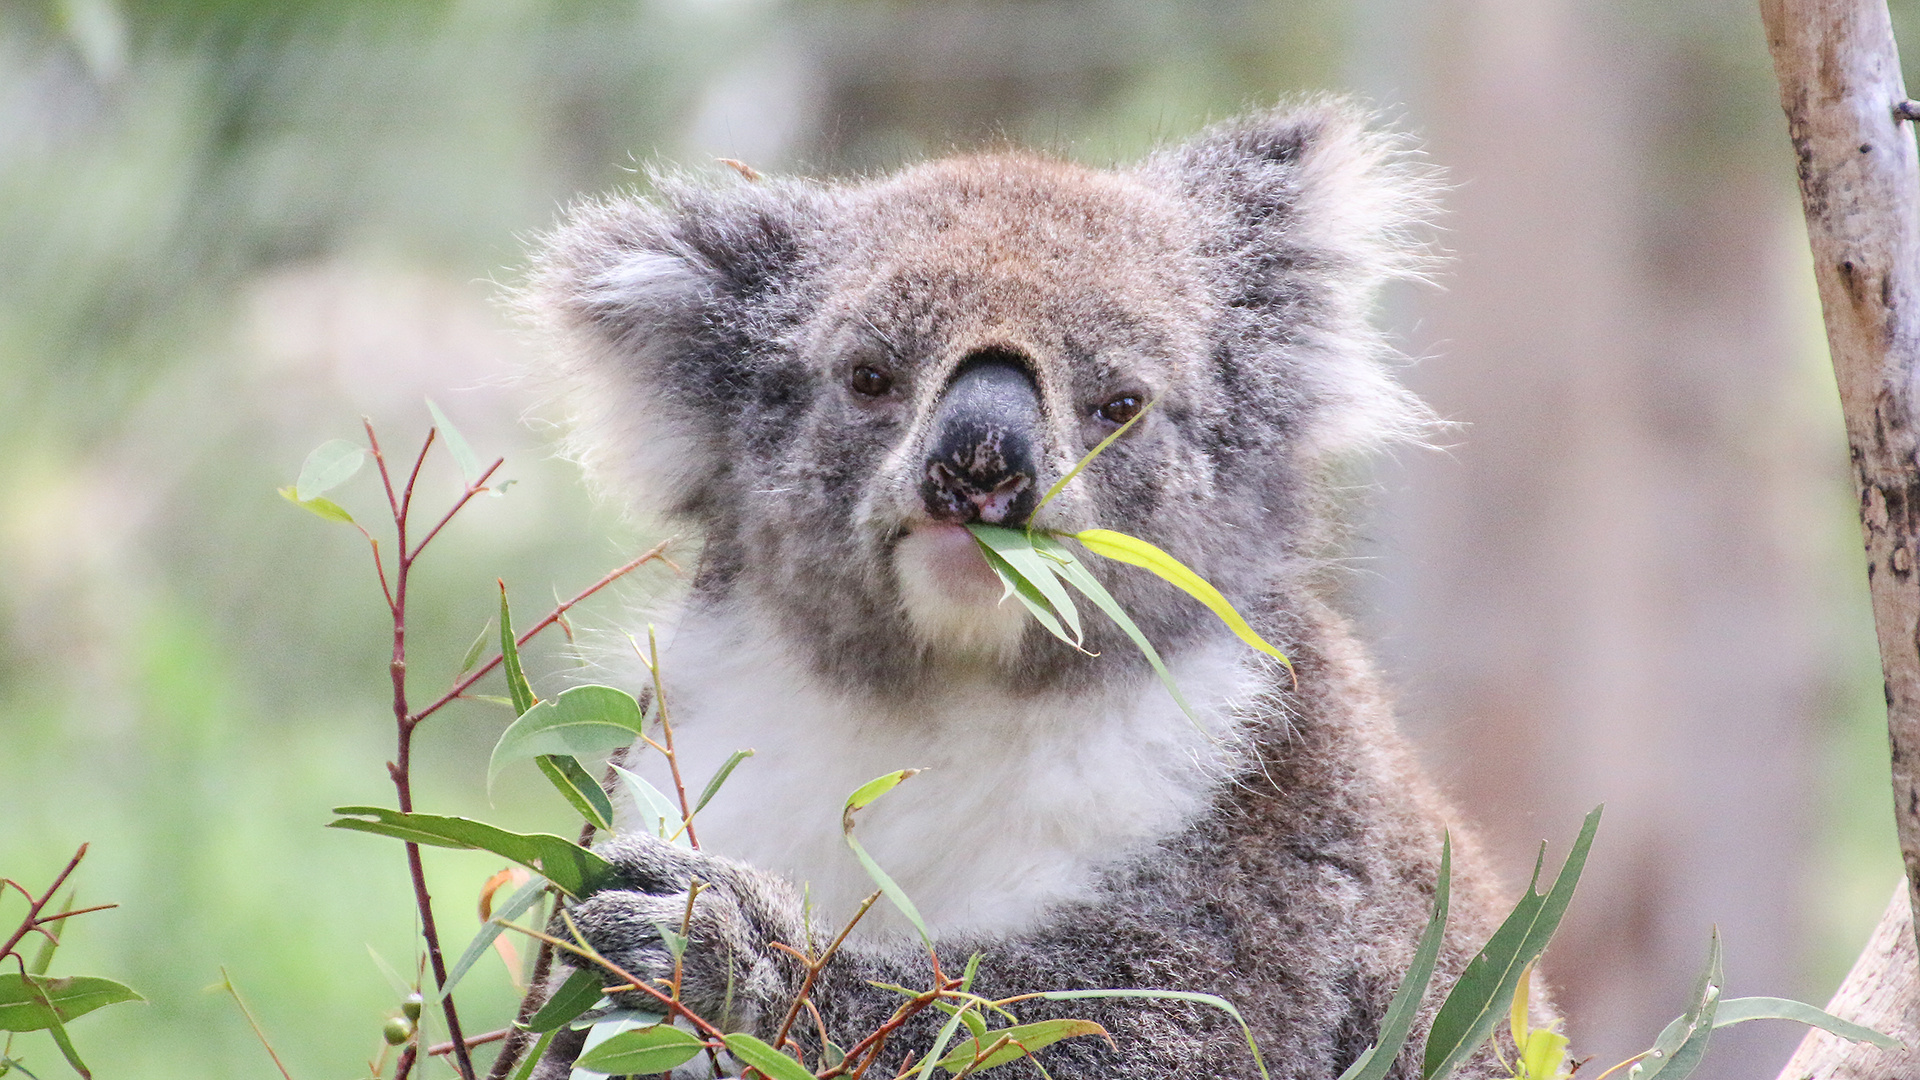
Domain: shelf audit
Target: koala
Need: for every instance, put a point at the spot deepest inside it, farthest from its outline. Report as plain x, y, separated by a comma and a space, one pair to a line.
828, 381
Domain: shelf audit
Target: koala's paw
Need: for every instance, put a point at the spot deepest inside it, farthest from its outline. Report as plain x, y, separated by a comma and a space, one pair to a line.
730, 973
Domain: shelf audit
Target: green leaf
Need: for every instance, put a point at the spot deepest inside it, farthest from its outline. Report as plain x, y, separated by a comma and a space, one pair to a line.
1486, 988
1168, 995
972, 1018
1741, 1010
581, 721
1077, 576
473, 650
648, 1050
577, 871
25, 1007
1137, 552
534, 1057
331, 464
939, 1044
578, 788
43, 959
1015, 547
1022, 1040
1542, 1055
325, 508
720, 777
1374, 1062
1023, 590
862, 796
657, 811
775, 1064
456, 444
1678, 1050
517, 687
1091, 454
575, 996
523, 898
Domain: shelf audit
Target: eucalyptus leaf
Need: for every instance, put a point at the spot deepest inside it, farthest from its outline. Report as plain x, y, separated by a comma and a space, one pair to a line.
1021, 1040
578, 788
1213, 1000
1077, 576
321, 507
1678, 1050
570, 999
649, 1050
720, 777
1486, 988
581, 721
331, 464
456, 444
862, 797
1740, 1010
1017, 549
517, 687
1098, 449
657, 812
1374, 1062
775, 1064
1137, 552
46, 1001
577, 871
517, 904
474, 650
1018, 587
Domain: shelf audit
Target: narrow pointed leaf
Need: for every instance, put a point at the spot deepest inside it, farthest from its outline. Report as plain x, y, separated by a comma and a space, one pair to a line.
1021, 1040
1213, 1000
648, 1050
775, 1064
1137, 552
947, 1031
1378, 1058
517, 904
331, 464
46, 1001
575, 996
1684, 1041
659, 813
456, 443
1741, 1010
1016, 548
473, 651
517, 687
577, 871
1099, 449
720, 777
1018, 587
580, 721
1486, 988
862, 797
43, 959
322, 507
1078, 576
579, 789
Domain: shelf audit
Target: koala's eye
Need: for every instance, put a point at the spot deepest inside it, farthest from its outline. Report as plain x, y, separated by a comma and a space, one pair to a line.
1120, 409
870, 381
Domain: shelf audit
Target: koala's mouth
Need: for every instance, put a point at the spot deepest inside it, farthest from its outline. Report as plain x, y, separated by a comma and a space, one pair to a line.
950, 594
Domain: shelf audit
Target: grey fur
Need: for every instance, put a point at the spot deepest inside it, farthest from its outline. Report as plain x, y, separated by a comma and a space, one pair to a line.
705, 338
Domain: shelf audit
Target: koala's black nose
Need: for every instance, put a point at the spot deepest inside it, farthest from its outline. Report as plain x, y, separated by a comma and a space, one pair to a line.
982, 450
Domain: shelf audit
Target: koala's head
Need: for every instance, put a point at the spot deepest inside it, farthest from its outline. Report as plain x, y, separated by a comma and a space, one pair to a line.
830, 380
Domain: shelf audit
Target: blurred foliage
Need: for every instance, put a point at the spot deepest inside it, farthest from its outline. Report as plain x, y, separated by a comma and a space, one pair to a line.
228, 228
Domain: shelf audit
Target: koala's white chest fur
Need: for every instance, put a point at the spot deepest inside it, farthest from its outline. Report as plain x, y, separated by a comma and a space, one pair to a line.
1023, 800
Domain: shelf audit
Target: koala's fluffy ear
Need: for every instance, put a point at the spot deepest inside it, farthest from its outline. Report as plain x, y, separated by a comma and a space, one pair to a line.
1305, 212
659, 310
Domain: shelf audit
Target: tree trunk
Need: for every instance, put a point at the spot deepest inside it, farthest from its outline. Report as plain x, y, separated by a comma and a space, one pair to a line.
1840, 84
1879, 992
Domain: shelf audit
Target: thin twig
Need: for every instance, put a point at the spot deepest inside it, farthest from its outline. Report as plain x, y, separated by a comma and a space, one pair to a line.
226, 980
36, 905
652, 660
814, 967
445, 1048
473, 489
485, 669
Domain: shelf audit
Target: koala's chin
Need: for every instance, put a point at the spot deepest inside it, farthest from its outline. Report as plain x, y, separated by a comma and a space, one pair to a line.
952, 597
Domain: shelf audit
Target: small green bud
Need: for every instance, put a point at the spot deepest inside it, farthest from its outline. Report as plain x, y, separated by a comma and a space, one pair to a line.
398, 1030
411, 1006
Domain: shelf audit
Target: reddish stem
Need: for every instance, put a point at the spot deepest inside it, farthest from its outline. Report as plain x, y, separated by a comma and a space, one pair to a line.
34, 906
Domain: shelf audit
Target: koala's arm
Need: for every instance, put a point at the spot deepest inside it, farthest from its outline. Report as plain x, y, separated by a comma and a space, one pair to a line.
1147, 935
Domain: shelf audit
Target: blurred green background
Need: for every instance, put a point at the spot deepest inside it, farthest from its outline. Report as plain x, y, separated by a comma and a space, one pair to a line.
230, 229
